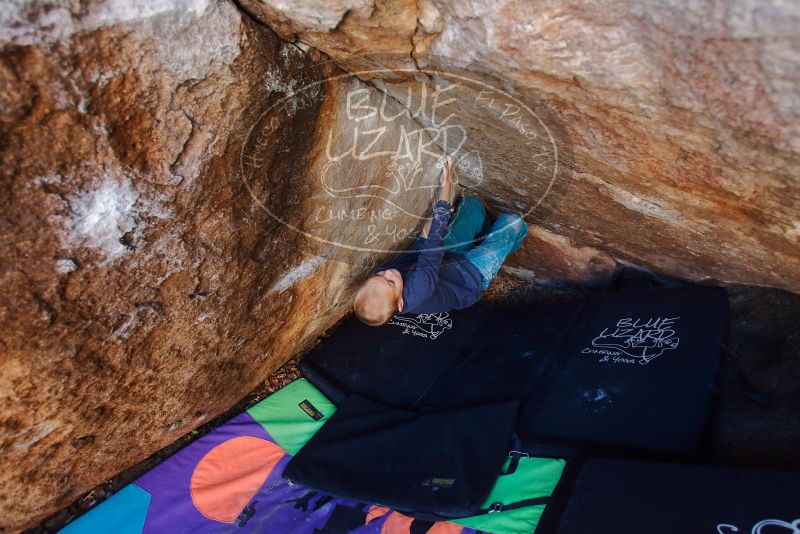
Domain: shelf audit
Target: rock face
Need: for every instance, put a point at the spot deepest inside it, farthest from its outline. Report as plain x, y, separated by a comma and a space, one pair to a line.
188, 200
682, 117
553, 260
168, 235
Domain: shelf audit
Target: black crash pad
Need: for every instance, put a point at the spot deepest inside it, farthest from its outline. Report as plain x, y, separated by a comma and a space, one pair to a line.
636, 372
629, 373
441, 463
394, 364
630, 497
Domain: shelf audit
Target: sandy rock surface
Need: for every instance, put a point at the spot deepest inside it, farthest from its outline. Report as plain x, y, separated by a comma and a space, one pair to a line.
680, 117
168, 238
191, 192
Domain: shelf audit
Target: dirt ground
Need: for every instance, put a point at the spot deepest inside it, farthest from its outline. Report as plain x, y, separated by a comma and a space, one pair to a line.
756, 424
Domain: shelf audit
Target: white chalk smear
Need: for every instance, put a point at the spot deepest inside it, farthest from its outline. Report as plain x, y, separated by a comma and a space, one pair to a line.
595, 395
794, 231
101, 216
65, 265
203, 316
33, 435
274, 83
304, 270
57, 21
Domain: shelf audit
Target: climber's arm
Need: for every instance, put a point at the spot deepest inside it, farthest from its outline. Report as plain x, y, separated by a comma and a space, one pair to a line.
421, 281
445, 189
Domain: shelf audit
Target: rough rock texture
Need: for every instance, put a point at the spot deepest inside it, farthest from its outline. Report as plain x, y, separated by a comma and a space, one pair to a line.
682, 116
162, 172
188, 201
551, 259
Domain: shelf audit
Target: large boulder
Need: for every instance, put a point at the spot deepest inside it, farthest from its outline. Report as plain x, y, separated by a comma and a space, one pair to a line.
168, 238
682, 118
188, 200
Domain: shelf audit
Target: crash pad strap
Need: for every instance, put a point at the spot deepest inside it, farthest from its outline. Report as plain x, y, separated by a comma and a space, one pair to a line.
500, 507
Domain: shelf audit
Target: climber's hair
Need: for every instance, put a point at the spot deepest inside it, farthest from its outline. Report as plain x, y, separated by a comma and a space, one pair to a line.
372, 304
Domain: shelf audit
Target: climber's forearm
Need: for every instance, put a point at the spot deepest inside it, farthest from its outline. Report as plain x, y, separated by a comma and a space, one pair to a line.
444, 192
447, 180
445, 188
426, 228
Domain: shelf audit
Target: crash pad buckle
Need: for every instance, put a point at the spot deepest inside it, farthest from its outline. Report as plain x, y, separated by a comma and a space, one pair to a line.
515, 456
495, 507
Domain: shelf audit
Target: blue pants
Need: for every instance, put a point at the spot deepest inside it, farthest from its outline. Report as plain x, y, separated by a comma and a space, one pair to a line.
485, 246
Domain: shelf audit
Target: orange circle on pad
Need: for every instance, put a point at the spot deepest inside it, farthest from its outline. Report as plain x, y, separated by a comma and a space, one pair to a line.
230, 474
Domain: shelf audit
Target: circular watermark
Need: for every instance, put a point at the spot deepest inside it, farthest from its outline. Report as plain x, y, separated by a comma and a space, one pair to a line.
371, 147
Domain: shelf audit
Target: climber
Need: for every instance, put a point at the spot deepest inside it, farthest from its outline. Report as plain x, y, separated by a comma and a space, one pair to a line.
442, 272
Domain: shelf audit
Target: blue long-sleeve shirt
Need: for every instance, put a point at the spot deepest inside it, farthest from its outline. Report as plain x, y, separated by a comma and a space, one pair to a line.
433, 281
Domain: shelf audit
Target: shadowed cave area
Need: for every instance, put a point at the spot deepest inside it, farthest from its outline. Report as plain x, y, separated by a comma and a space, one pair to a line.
194, 190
